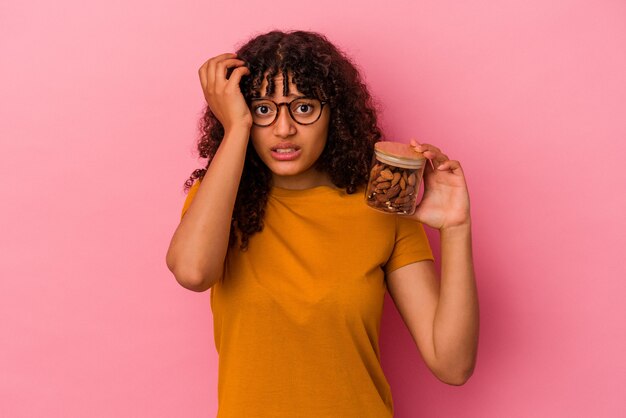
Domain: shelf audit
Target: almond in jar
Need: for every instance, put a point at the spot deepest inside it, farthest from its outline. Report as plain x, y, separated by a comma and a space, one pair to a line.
395, 178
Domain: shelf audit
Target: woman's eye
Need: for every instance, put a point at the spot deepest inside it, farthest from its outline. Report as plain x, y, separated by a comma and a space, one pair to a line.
304, 108
262, 110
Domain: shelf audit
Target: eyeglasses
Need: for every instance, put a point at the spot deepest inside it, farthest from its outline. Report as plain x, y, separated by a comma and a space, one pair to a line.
303, 110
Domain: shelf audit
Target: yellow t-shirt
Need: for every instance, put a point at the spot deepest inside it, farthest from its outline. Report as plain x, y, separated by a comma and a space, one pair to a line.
297, 316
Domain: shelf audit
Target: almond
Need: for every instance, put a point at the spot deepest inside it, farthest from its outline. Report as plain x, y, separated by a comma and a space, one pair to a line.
403, 200
376, 170
396, 178
386, 174
384, 185
407, 192
407, 207
392, 191
381, 197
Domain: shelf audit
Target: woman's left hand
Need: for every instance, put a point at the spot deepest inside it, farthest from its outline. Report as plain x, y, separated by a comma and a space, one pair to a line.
445, 202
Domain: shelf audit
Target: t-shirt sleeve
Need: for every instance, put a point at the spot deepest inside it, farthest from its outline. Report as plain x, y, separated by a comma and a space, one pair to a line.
411, 245
190, 195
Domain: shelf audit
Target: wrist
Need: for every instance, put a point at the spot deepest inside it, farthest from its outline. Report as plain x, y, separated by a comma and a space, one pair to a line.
464, 227
239, 131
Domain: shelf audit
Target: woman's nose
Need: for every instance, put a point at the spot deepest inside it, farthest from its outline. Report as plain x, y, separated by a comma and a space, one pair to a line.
284, 125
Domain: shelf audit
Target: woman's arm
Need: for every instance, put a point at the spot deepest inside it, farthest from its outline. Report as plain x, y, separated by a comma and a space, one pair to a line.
198, 248
442, 315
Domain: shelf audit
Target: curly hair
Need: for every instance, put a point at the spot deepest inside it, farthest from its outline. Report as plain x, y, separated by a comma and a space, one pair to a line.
319, 69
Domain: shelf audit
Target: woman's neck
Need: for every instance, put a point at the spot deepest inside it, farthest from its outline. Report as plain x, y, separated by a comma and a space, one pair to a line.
312, 179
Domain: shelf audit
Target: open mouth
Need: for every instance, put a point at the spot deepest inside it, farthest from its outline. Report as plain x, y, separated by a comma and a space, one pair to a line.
285, 152
285, 148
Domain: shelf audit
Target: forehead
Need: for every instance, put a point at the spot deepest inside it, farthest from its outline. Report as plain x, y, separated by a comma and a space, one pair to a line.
278, 86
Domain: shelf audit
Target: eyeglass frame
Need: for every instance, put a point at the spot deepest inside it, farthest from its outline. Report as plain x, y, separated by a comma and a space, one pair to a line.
288, 104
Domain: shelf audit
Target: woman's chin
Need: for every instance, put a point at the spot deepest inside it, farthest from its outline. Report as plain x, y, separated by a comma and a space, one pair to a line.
285, 168
282, 172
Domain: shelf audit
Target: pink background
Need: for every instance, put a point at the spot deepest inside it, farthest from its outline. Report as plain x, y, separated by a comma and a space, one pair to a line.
99, 106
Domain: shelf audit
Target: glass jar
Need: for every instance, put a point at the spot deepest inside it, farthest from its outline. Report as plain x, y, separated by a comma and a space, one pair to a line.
395, 178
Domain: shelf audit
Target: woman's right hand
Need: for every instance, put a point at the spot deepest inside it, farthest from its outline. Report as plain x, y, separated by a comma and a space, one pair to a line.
223, 95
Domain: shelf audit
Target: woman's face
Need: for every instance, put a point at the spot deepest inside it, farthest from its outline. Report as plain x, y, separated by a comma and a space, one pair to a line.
300, 145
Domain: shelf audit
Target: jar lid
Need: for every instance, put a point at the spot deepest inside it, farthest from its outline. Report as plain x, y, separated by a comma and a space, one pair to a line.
399, 154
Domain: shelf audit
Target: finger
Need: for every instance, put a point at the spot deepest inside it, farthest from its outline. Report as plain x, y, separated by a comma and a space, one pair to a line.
429, 147
222, 69
434, 152
211, 67
450, 165
235, 77
419, 148
426, 147
437, 157
202, 73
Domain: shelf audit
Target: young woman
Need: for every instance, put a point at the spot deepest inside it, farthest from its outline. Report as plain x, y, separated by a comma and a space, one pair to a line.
277, 227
